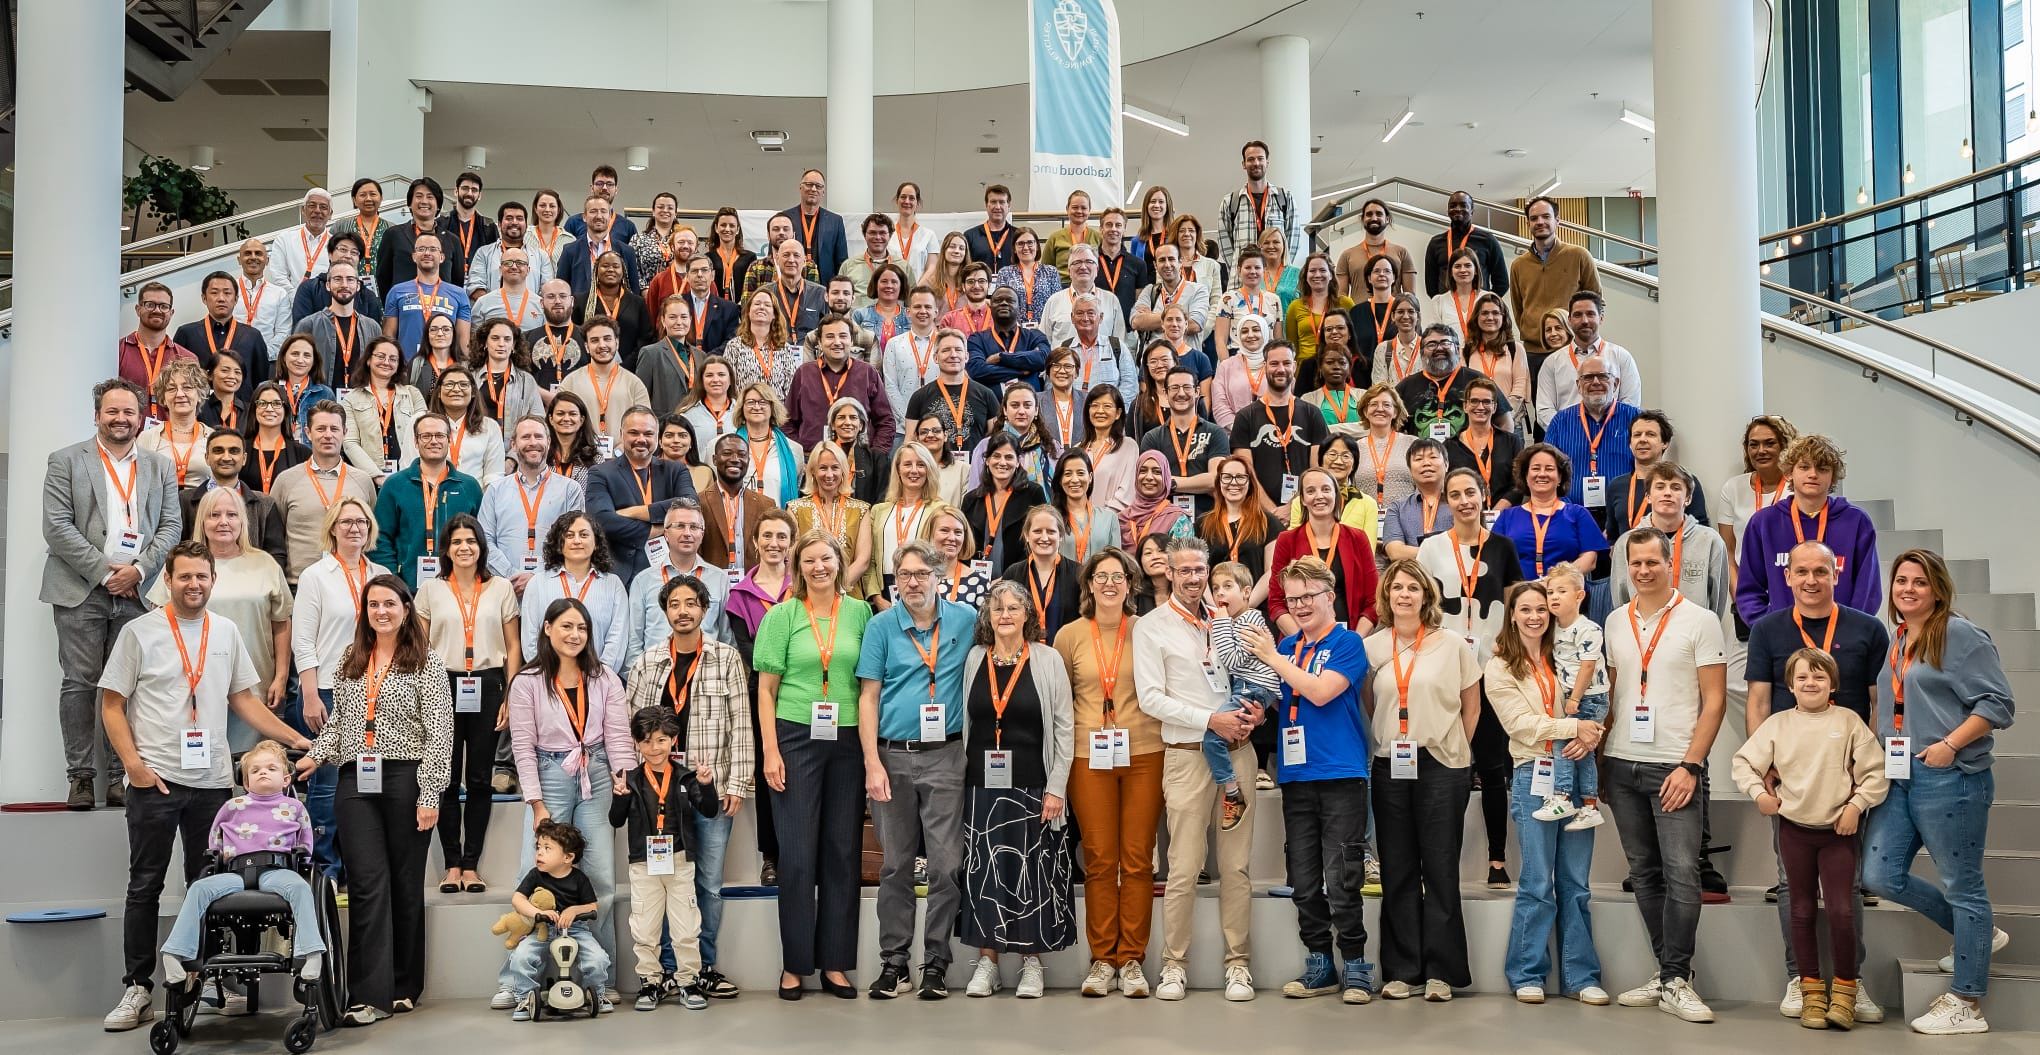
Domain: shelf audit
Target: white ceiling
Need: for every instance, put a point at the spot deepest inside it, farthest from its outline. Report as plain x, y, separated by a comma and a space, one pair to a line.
1549, 77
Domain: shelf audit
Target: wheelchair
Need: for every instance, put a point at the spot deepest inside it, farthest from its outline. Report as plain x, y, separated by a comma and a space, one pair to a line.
232, 951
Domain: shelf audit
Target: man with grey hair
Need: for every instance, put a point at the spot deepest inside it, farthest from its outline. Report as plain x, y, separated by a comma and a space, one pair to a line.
300, 252
1057, 316
910, 675
1436, 395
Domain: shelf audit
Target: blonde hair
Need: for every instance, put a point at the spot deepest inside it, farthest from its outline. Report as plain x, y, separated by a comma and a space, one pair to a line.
1820, 661
800, 546
1568, 571
1384, 388
1238, 573
830, 447
213, 499
1818, 451
333, 518
914, 449
262, 748
771, 397
944, 509
182, 370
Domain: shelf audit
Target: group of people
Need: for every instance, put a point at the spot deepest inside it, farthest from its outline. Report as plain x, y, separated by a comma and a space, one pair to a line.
712, 516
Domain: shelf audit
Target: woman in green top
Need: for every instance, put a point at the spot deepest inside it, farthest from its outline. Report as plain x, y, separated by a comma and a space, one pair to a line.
806, 658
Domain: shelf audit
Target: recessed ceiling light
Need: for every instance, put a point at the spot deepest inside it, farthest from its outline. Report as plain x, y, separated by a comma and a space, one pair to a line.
769, 138
1515, 152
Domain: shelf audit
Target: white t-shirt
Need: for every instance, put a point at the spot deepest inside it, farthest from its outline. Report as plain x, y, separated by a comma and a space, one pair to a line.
1692, 640
1736, 503
145, 667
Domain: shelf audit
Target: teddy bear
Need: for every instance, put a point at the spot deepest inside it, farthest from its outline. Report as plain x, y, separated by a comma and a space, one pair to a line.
513, 926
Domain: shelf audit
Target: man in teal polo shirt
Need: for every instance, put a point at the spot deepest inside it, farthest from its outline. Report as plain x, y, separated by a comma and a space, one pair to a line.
418, 500
911, 678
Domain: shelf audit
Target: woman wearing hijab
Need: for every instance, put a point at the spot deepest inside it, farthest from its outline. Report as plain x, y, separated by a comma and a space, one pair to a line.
1151, 509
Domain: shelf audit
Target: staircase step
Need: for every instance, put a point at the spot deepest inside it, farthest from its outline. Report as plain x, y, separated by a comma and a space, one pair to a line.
2013, 1004
1999, 612
1883, 514
2016, 773
1972, 576
1894, 543
2012, 876
2017, 649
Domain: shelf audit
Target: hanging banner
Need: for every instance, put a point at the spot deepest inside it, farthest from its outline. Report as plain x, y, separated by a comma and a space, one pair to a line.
1073, 66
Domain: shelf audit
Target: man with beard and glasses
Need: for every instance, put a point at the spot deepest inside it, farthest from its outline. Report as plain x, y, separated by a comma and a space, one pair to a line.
1375, 221
1436, 396
513, 231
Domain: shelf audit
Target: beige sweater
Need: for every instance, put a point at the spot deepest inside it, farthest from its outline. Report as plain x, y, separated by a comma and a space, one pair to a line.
1825, 760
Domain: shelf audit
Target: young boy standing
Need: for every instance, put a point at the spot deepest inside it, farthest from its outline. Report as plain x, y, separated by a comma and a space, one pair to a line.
1576, 652
558, 846
663, 798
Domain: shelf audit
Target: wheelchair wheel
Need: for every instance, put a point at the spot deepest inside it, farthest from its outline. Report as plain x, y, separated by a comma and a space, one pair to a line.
332, 985
298, 1039
163, 1037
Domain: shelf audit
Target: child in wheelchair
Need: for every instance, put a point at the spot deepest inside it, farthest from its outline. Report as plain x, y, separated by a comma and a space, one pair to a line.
266, 820
558, 846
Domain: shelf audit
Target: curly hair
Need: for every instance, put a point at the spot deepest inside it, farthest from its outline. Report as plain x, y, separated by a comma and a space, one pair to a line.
1030, 627
556, 541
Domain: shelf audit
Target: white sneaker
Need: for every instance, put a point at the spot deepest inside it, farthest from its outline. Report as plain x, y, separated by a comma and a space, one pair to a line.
1555, 808
134, 1008
1948, 1014
1397, 991
1530, 994
1588, 817
1645, 995
1678, 998
1030, 979
984, 979
1133, 981
1173, 984
504, 1000
1436, 991
1592, 996
1097, 983
1239, 983
1793, 1003
1998, 940
1868, 1011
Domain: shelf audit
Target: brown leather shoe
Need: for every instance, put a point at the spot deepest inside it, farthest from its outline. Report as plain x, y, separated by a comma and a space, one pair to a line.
81, 798
116, 794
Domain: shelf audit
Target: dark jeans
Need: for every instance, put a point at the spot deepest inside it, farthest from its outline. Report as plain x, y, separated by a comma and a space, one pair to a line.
823, 811
1324, 821
761, 803
1496, 769
156, 821
1820, 856
1417, 830
385, 856
1663, 848
463, 826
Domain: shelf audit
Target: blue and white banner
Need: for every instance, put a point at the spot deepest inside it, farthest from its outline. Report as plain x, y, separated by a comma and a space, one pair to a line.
1073, 64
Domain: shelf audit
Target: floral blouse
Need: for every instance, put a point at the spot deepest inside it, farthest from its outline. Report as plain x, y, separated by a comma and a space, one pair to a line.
413, 723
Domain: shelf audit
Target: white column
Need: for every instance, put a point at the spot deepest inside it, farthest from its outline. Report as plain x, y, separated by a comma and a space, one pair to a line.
68, 163
375, 122
1285, 114
850, 62
1710, 368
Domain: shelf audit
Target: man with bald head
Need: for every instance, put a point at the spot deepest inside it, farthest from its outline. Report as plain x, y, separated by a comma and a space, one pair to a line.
762, 271
260, 303
412, 303
1594, 433
556, 342
801, 302
819, 231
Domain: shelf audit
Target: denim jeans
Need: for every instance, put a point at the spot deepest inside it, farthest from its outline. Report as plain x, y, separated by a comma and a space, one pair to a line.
1321, 819
711, 841
1579, 776
527, 962
1663, 848
1218, 753
1945, 810
561, 792
305, 937
1551, 891
320, 789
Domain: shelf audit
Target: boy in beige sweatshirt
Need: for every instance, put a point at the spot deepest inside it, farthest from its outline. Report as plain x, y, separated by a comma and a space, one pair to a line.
1818, 769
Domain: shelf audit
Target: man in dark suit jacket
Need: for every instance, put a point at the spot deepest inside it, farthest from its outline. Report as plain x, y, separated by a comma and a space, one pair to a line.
819, 230
226, 454
629, 493
715, 318
109, 518
1007, 351
577, 260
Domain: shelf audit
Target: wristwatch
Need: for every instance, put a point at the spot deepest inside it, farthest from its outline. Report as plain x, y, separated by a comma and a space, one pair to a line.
1694, 768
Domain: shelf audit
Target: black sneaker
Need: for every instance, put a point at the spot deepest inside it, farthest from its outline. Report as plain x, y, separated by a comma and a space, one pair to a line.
713, 985
768, 873
1497, 877
648, 996
892, 982
933, 986
1771, 895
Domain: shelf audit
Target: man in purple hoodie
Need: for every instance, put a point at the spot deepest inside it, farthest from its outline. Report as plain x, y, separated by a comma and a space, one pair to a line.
1814, 465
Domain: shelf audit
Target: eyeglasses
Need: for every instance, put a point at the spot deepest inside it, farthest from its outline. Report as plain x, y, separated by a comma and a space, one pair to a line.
266, 404
912, 576
1595, 379
1472, 403
811, 185
1311, 597
154, 305
1109, 578
351, 522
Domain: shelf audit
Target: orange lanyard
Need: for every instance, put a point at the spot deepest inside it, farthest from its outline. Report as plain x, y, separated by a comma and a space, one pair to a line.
1402, 677
1302, 657
251, 306
373, 691
1382, 321
339, 484
700, 315
644, 483
1260, 204
266, 466
602, 392
906, 233
575, 702
127, 493
612, 307
1757, 494
1827, 640
1109, 273
956, 406
356, 582
311, 254
838, 523
523, 302
1468, 580
1446, 387
1538, 528
1464, 309
468, 614
1636, 631
465, 231
1380, 462
385, 409
904, 517
994, 516
1344, 402
829, 394
660, 780
759, 449
1820, 528
729, 269
430, 488
1000, 698
181, 459
152, 364
366, 226
1253, 377
1080, 534
213, 344
788, 306
998, 246
1108, 665
558, 345
1203, 625
733, 520
345, 346
1331, 551
807, 229
1027, 282
427, 301
1547, 685
453, 450
922, 353
676, 687
1043, 597
192, 675
1901, 665
1066, 415
531, 505
929, 654
567, 585
1594, 438
1483, 456
824, 648
1183, 448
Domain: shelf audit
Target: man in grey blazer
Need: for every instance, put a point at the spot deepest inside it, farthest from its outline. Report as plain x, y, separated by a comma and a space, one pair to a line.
110, 516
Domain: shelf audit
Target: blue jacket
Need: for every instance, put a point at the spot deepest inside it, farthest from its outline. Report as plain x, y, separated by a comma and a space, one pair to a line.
830, 246
1024, 363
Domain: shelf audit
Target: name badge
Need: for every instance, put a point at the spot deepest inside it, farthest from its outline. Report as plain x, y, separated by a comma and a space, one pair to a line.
1186, 503
341, 393
982, 567
1122, 748
389, 466
428, 568
655, 550
605, 448
1402, 759
1101, 749
128, 544
998, 769
150, 423
659, 855
1441, 430
1288, 487
1487, 519
368, 774
1293, 752
934, 723
1596, 489
1642, 729
530, 562
756, 483
822, 720
1898, 758
1214, 679
467, 695
197, 749
1543, 778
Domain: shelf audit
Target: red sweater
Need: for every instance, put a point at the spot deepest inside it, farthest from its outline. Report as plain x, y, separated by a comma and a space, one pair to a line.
1355, 556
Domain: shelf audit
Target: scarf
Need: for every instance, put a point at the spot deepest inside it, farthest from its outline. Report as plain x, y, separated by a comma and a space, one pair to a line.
1157, 515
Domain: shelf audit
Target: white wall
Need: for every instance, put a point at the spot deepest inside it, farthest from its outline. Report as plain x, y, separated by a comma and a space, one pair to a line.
1999, 330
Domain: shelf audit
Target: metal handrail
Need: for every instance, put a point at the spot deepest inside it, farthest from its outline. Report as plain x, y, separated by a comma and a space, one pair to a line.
1325, 217
1904, 200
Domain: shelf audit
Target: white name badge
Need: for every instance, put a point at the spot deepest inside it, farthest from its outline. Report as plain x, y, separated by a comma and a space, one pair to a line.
1488, 518
982, 567
1898, 758
1288, 487
1293, 752
1186, 503
1402, 759
605, 448
368, 774
1642, 728
1543, 778
428, 568
822, 720
128, 544
530, 562
341, 393
467, 695
1441, 431
659, 855
655, 550
1101, 749
1596, 489
1122, 748
998, 769
934, 722
1214, 679
197, 749
150, 423
735, 570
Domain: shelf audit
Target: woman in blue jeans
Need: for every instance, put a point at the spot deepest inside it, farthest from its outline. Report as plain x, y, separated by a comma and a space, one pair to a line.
1522, 686
1948, 695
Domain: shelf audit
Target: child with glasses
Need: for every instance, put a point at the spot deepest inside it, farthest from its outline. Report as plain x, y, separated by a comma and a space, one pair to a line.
1253, 681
